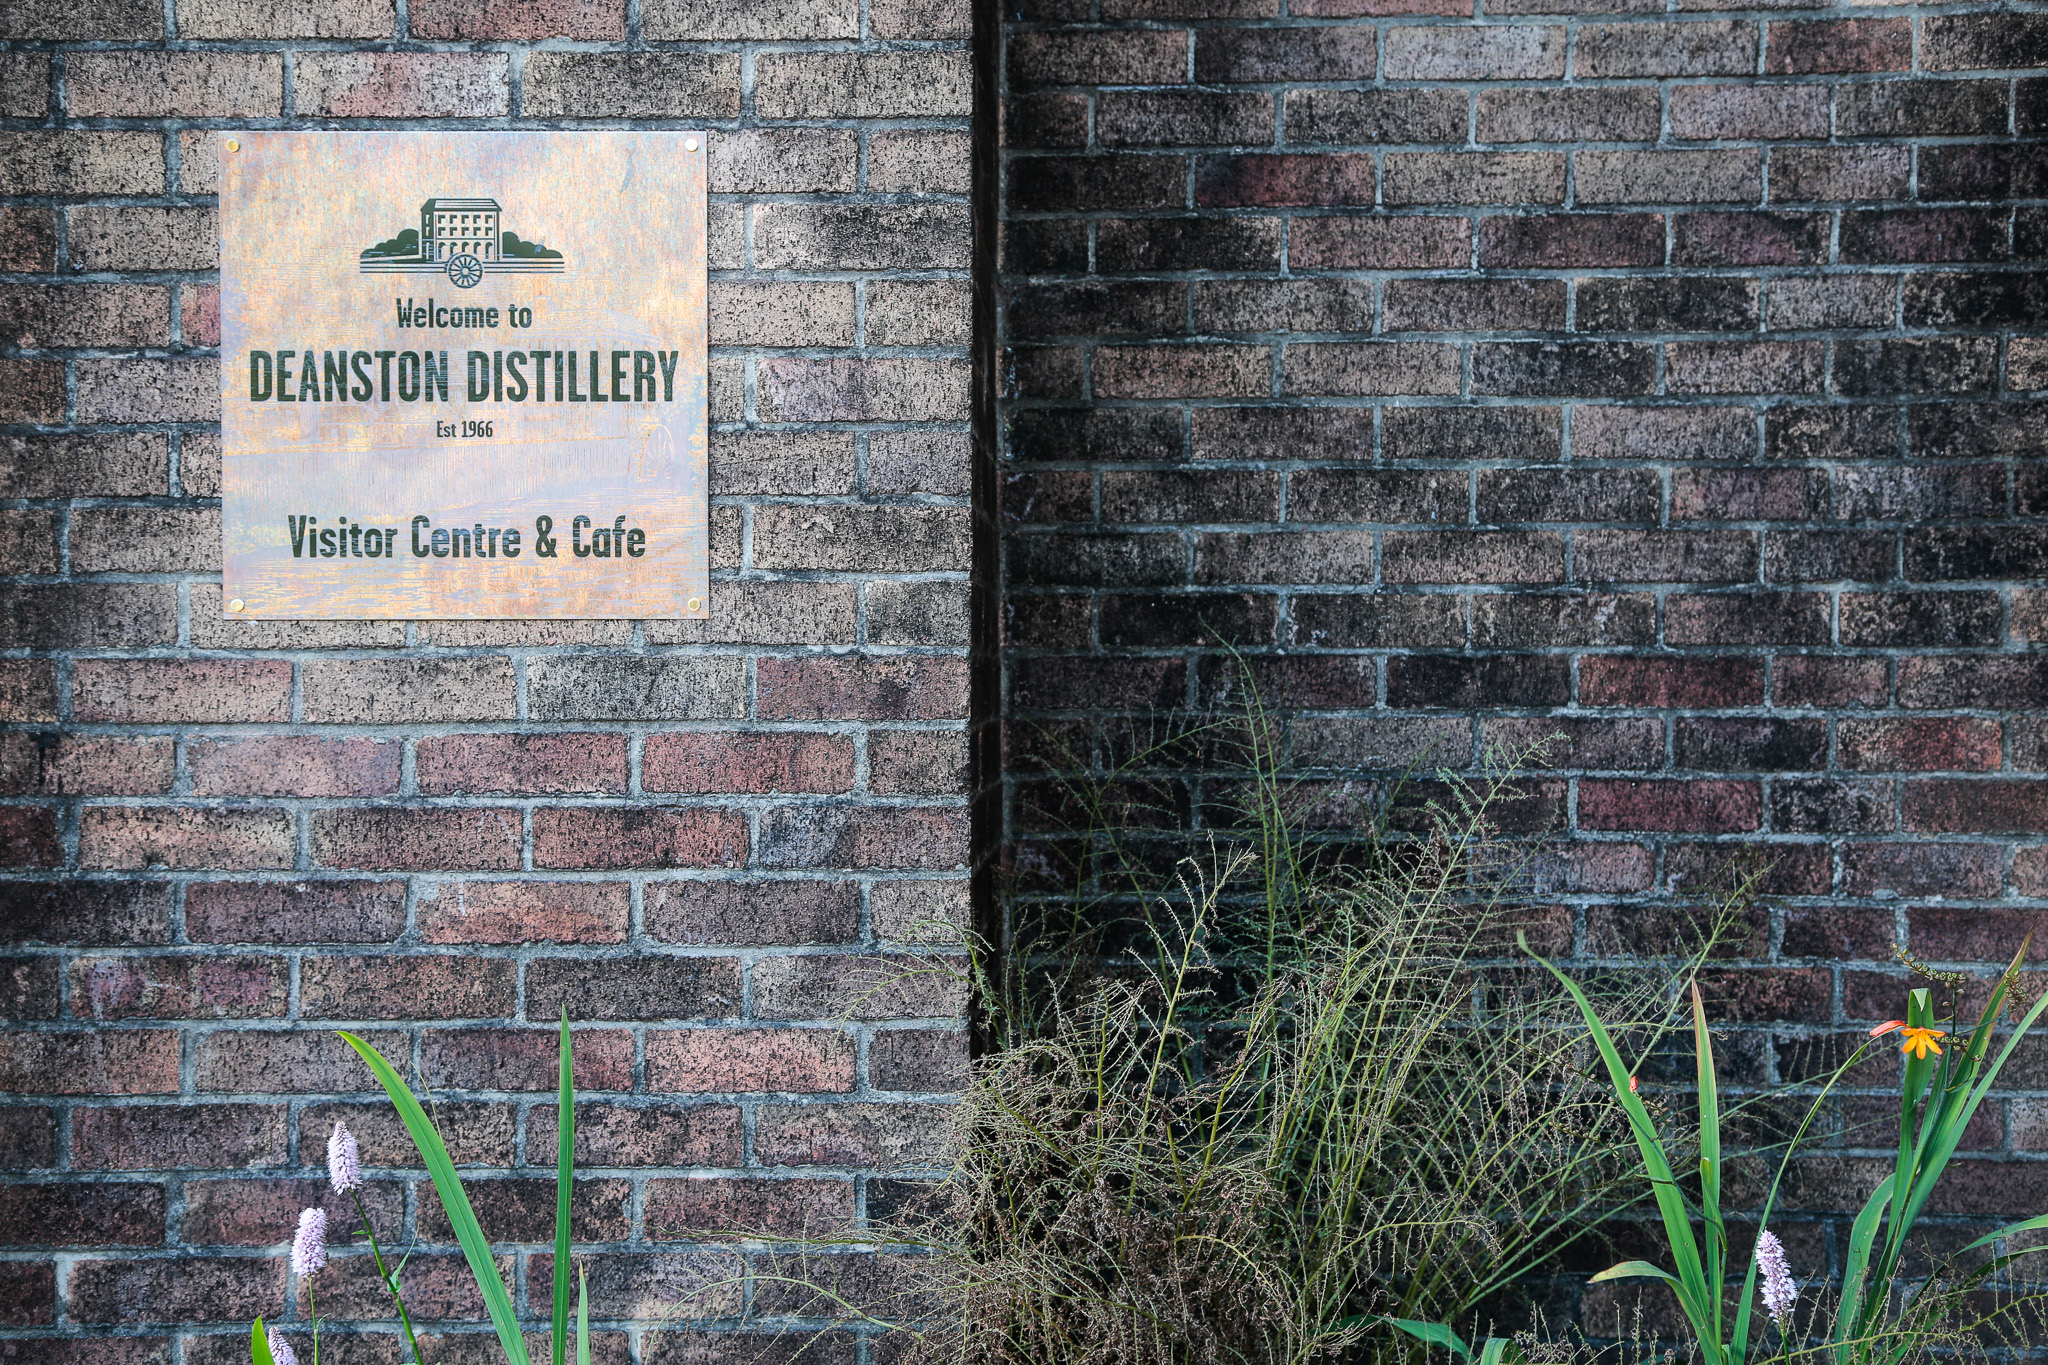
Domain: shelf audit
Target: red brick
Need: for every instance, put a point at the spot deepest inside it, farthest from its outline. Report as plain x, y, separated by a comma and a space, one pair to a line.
1923, 869
514, 20
28, 239
125, 914
185, 836
28, 837
185, 1290
849, 1134
31, 391
644, 987
141, 84
1664, 556
1472, 557
1801, 680
864, 837
172, 1137
753, 912
402, 84
1811, 47
704, 1207
862, 689
1348, 242
115, 1062
1979, 807
644, 1135
1779, 994
68, 765
515, 1210
295, 912
733, 1061
408, 691
701, 762
832, 986
524, 1059
110, 988
124, 1213
199, 314
1284, 180
416, 839
525, 912
538, 765
28, 1137
292, 1061
28, 690
28, 1293
181, 691
638, 837
1685, 683
477, 1133
1369, 367
925, 1060
293, 765
1919, 744
254, 1213
409, 987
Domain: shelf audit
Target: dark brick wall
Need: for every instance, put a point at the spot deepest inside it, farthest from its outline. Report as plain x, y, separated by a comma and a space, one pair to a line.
220, 840
1666, 380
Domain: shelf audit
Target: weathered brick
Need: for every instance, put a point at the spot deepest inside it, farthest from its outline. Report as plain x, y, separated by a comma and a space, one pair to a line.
106, 1062
415, 839
149, 389
396, 691
80, 161
542, 765
524, 912
293, 19
1596, 114
864, 837
111, 988
644, 836
295, 912
1505, 52
122, 84
1675, 177
700, 763
1474, 177
590, 20
38, 316
1711, 47
185, 836
1814, 46
403, 84
748, 913
644, 986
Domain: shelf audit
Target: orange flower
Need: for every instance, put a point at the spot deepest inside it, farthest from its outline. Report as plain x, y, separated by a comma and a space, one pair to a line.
1920, 1042
1886, 1027
1631, 1085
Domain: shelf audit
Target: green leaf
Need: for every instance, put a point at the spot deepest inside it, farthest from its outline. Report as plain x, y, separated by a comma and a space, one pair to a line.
1632, 1270
1861, 1235
582, 1318
259, 1344
1495, 1351
454, 1200
1710, 1155
1699, 1304
2025, 1225
1434, 1333
565, 1174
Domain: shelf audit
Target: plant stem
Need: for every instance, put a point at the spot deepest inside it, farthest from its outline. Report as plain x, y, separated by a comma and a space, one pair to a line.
314, 1309
390, 1286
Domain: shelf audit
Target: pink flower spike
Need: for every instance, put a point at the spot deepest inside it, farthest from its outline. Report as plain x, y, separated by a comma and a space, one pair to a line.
344, 1165
1886, 1027
309, 1247
281, 1352
1777, 1288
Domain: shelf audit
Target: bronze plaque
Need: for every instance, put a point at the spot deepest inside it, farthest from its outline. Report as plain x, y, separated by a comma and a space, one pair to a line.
463, 375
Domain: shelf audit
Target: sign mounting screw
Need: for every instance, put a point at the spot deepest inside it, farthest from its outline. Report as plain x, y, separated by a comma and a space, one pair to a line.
692, 604
235, 605
234, 145
689, 144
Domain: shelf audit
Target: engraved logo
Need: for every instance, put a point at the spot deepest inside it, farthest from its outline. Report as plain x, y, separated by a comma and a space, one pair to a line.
463, 239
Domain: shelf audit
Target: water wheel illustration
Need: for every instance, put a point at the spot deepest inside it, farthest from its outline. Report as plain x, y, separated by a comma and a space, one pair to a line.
465, 270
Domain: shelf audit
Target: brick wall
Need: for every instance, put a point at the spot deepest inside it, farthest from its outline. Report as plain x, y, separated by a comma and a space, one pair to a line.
1667, 381
223, 839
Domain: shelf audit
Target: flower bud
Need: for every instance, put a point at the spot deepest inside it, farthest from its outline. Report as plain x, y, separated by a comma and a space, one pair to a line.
309, 1247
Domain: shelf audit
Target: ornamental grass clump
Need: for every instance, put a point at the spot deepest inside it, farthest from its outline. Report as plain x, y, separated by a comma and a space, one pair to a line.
1313, 1090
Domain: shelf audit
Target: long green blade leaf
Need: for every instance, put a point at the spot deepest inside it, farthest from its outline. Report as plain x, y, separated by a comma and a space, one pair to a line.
1710, 1158
582, 1318
1632, 1270
1861, 1235
2025, 1225
1434, 1333
565, 1147
259, 1344
454, 1200
1693, 1294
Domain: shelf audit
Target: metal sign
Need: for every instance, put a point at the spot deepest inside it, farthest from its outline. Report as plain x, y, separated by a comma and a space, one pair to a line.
463, 375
